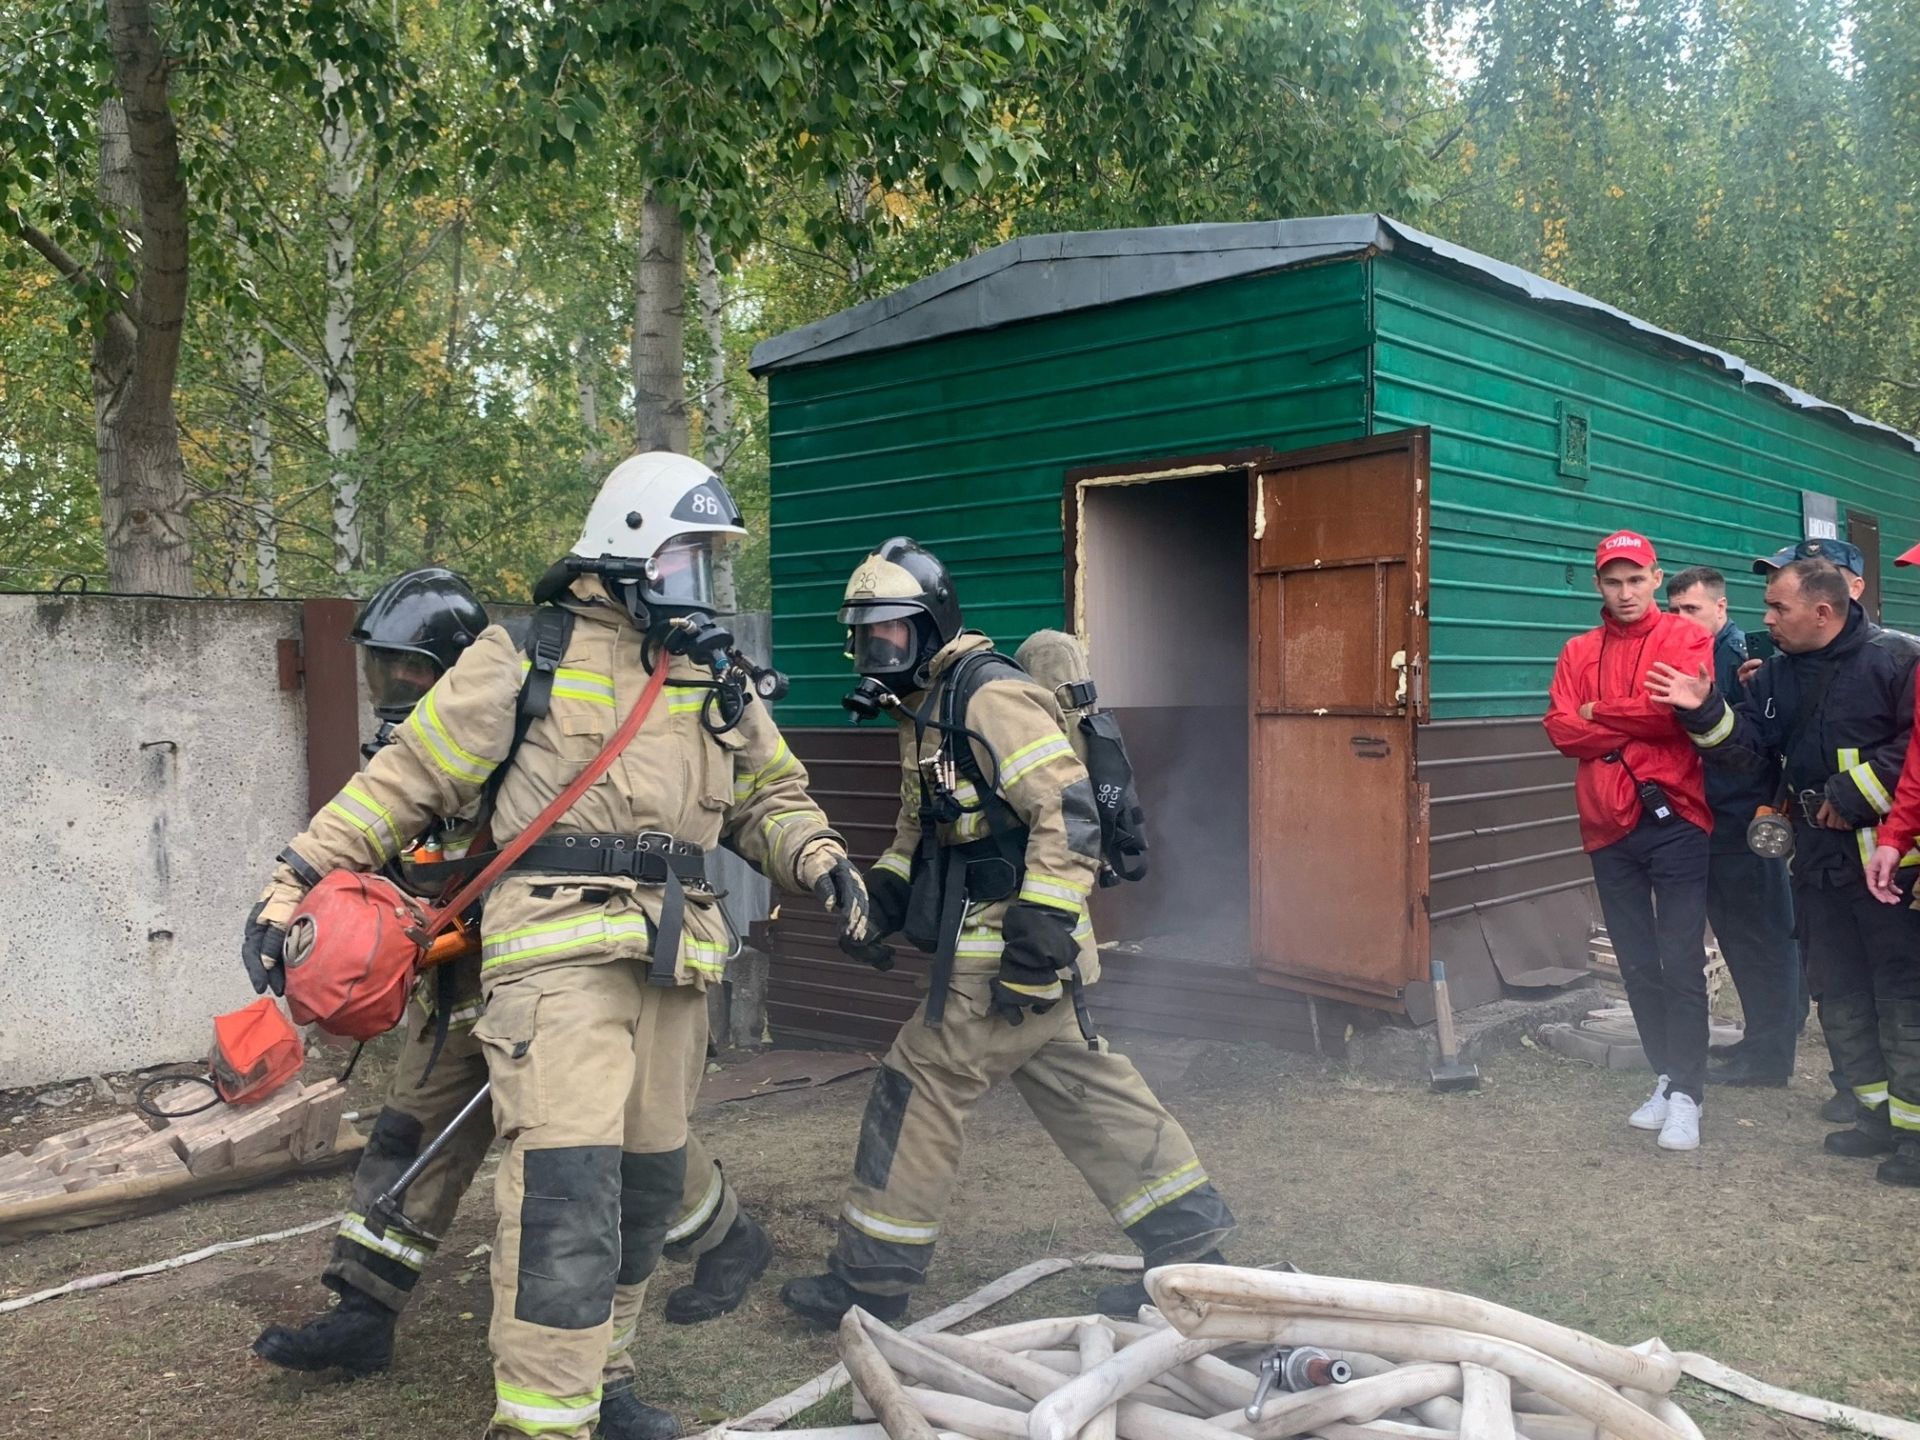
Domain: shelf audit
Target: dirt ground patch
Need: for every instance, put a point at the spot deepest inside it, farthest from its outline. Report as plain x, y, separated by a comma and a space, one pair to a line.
1757, 1249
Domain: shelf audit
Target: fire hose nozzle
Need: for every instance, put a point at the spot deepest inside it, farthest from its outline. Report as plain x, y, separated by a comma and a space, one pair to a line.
1304, 1367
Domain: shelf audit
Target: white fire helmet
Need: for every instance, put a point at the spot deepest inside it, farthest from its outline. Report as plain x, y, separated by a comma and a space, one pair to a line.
654, 528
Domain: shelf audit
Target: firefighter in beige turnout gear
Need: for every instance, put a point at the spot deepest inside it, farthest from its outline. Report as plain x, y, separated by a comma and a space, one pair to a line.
998, 893
595, 952
410, 632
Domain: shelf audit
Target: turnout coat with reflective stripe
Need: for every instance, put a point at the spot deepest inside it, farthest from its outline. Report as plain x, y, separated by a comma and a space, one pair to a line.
745, 789
1850, 753
1039, 775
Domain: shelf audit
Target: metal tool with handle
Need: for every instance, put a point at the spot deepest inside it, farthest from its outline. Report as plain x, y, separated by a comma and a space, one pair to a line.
1451, 1073
385, 1212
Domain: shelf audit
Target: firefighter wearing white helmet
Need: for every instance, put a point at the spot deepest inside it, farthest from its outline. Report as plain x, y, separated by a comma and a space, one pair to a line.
598, 943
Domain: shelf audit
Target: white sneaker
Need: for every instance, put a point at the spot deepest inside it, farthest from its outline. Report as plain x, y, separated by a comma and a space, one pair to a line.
1682, 1130
1652, 1114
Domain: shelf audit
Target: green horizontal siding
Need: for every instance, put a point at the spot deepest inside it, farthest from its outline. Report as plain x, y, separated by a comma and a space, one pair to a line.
964, 443
1709, 471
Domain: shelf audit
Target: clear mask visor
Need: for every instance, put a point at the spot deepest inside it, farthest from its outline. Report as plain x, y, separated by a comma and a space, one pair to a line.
883, 647
681, 573
396, 680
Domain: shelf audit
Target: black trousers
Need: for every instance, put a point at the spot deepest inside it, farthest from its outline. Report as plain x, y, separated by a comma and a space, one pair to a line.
1653, 893
1864, 963
1750, 906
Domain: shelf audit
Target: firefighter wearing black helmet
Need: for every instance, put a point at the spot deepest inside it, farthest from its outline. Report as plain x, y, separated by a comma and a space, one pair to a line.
410, 632
994, 855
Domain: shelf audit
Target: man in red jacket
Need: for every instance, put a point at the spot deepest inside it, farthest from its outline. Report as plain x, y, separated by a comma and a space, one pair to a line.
1644, 820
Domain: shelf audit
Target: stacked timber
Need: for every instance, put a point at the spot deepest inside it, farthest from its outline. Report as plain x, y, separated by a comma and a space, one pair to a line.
120, 1166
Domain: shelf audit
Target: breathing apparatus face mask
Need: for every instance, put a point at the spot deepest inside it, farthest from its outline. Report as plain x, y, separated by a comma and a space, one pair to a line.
396, 680
677, 582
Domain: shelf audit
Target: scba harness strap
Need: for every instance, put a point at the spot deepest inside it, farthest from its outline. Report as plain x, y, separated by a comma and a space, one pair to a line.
946, 877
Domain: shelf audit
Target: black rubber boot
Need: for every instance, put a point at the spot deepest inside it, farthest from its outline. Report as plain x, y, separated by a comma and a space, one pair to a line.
1871, 1135
1840, 1108
825, 1300
355, 1336
1904, 1167
722, 1275
625, 1416
1123, 1302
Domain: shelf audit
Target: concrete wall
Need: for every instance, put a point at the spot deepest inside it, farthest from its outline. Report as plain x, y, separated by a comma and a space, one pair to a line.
150, 769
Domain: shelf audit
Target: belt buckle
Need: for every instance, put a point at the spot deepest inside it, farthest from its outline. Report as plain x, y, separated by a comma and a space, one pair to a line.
651, 840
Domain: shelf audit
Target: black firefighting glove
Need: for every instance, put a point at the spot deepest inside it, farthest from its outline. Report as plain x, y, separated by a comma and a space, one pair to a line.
265, 938
260, 952
840, 890
1040, 944
887, 899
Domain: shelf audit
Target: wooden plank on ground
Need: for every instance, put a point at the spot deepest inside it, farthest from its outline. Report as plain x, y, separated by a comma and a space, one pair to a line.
143, 1194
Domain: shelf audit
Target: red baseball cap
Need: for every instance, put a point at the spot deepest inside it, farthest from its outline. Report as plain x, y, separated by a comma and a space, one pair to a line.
1909, 557
1625, 545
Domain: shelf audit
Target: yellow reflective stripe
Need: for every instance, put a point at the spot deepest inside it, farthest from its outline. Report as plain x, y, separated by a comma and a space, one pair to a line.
1084, 929
1722, 728
533, 1413
1164, 1191
783, 760
1863, 841
886, 1227
1061, 893
1872, 1095
1032, 756
773, 822
685, 699
444, 751
409, 1251
1868, 784
692, 951
1903, 1115
557, 935
369, 817
687, 1225
982, 943
617, 1346
1050, 991
894, 863
576, 684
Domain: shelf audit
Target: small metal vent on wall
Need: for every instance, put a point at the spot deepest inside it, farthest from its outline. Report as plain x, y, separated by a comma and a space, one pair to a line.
1575, 431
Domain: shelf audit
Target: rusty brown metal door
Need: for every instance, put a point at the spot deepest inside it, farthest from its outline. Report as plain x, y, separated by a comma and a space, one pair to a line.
1338, 650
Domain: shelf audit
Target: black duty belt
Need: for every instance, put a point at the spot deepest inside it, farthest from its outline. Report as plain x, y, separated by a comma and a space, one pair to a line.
652, 857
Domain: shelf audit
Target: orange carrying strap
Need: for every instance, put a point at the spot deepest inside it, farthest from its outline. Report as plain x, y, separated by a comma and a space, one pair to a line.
446, 914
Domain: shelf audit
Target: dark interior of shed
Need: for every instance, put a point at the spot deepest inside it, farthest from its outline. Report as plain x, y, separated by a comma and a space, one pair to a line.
1162, 600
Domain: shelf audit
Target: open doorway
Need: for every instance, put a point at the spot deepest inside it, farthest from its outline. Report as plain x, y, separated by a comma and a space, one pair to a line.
1160, 595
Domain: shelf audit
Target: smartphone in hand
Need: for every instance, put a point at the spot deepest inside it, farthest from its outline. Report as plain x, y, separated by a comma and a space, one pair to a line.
1760, 645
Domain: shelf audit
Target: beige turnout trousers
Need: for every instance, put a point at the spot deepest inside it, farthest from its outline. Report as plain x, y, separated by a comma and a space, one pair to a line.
387, 1265
590, 1067
1133, 1154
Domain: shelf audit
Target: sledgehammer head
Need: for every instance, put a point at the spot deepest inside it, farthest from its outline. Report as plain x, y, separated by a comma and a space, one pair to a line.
1454, 1075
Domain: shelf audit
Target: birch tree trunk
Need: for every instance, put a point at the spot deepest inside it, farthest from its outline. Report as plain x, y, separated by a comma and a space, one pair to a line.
716, 401
260, 497
659, 329
586, 385
344, 172
136, 350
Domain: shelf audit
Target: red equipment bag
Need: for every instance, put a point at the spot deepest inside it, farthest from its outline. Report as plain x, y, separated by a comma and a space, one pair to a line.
351, 956
358, 942
255, 1052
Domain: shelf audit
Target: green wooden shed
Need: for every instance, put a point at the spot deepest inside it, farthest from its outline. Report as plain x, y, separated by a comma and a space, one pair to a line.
1322, 496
